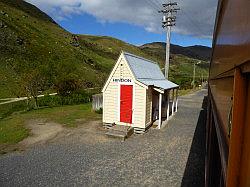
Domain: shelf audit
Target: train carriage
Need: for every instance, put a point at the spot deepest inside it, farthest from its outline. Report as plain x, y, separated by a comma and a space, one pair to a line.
228, 124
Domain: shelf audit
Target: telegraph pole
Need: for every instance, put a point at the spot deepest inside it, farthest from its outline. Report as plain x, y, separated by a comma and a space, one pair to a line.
168, 20
194, 73
194, 76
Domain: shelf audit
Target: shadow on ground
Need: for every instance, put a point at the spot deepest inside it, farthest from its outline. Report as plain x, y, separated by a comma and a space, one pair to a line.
194, 174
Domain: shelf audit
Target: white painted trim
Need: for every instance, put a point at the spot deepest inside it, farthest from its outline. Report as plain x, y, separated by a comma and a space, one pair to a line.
112, 73
176, 104
121, 57
119, 102
160, 103
168, 105
141, 84
173, 98
159, 90
133, 103
103, 108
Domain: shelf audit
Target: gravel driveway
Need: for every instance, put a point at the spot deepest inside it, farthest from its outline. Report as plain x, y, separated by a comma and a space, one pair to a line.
172, 156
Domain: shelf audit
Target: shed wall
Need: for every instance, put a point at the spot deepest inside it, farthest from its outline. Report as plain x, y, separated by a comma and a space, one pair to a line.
111, 101
139, 106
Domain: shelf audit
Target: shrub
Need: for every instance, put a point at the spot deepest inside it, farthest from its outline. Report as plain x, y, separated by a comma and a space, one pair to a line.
59, 100
99, 111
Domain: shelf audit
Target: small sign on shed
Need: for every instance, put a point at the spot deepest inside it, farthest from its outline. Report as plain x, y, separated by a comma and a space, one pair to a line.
137, 94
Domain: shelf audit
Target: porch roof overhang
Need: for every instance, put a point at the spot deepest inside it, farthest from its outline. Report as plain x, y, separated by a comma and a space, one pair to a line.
161, 84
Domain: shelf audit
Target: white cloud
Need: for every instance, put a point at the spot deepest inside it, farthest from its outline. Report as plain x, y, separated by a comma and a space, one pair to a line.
195, 18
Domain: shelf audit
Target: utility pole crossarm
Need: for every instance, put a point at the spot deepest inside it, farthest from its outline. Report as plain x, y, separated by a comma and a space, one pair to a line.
168, 20
169, 4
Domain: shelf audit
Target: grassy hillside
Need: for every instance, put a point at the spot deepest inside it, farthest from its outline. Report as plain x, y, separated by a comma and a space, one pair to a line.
30, 41
34, 50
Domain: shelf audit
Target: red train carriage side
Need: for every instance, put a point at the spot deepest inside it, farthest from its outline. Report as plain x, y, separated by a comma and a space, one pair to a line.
228, 124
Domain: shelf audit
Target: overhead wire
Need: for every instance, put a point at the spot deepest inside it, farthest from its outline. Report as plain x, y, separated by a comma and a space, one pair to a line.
151, 4
190, 20
158, 4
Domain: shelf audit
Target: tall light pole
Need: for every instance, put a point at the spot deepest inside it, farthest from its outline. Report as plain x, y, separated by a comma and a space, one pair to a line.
168, 20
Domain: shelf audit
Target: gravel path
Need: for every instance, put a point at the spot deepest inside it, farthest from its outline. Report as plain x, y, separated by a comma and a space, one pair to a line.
172, 156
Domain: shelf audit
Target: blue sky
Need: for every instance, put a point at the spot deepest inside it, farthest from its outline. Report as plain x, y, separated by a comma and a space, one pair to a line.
133, 34
134, 21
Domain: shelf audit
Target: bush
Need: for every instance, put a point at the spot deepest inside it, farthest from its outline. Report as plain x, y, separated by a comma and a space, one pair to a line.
59, 100
99, 111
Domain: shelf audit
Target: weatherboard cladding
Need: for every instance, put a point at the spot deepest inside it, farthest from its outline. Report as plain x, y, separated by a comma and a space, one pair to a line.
111, 96
148, 72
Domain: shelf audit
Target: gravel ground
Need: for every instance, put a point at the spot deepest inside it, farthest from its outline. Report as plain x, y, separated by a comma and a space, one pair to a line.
172, 156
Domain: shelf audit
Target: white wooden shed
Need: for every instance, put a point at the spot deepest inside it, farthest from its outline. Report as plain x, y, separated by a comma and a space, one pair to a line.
133, 91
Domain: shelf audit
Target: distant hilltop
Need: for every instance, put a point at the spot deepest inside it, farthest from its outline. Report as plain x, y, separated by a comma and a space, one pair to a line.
196, 51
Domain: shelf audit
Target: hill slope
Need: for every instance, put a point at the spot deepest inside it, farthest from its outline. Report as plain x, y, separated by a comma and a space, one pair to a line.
30, 40
36, 50
196, 51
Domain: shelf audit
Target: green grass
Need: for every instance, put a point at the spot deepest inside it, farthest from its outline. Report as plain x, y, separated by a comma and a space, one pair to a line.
66, 115
12, 129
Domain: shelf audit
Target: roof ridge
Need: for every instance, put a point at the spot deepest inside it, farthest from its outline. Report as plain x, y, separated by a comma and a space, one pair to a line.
133, 55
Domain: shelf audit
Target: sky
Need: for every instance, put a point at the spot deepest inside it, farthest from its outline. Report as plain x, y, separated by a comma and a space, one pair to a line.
134, 21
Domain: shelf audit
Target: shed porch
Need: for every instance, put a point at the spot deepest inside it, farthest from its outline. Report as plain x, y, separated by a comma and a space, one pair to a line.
161, 113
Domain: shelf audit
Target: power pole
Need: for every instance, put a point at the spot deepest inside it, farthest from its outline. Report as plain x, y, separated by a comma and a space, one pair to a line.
194, 76
168, 20
194, 73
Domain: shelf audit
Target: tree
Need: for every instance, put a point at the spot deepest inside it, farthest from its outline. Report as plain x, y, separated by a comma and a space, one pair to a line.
67, 84
32, 83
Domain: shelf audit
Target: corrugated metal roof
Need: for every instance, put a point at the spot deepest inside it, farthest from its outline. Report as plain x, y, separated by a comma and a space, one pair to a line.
148, 72
163, 84
143, 68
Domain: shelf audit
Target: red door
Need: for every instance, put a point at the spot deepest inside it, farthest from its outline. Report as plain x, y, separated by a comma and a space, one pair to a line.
126, 103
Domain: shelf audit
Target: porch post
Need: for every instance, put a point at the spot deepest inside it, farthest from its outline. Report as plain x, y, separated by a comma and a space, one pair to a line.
168, 93
176, 103
173, 98
160, 103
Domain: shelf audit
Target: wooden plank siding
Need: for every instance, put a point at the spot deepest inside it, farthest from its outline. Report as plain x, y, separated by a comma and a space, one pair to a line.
110, 104
139, 107
111, 110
